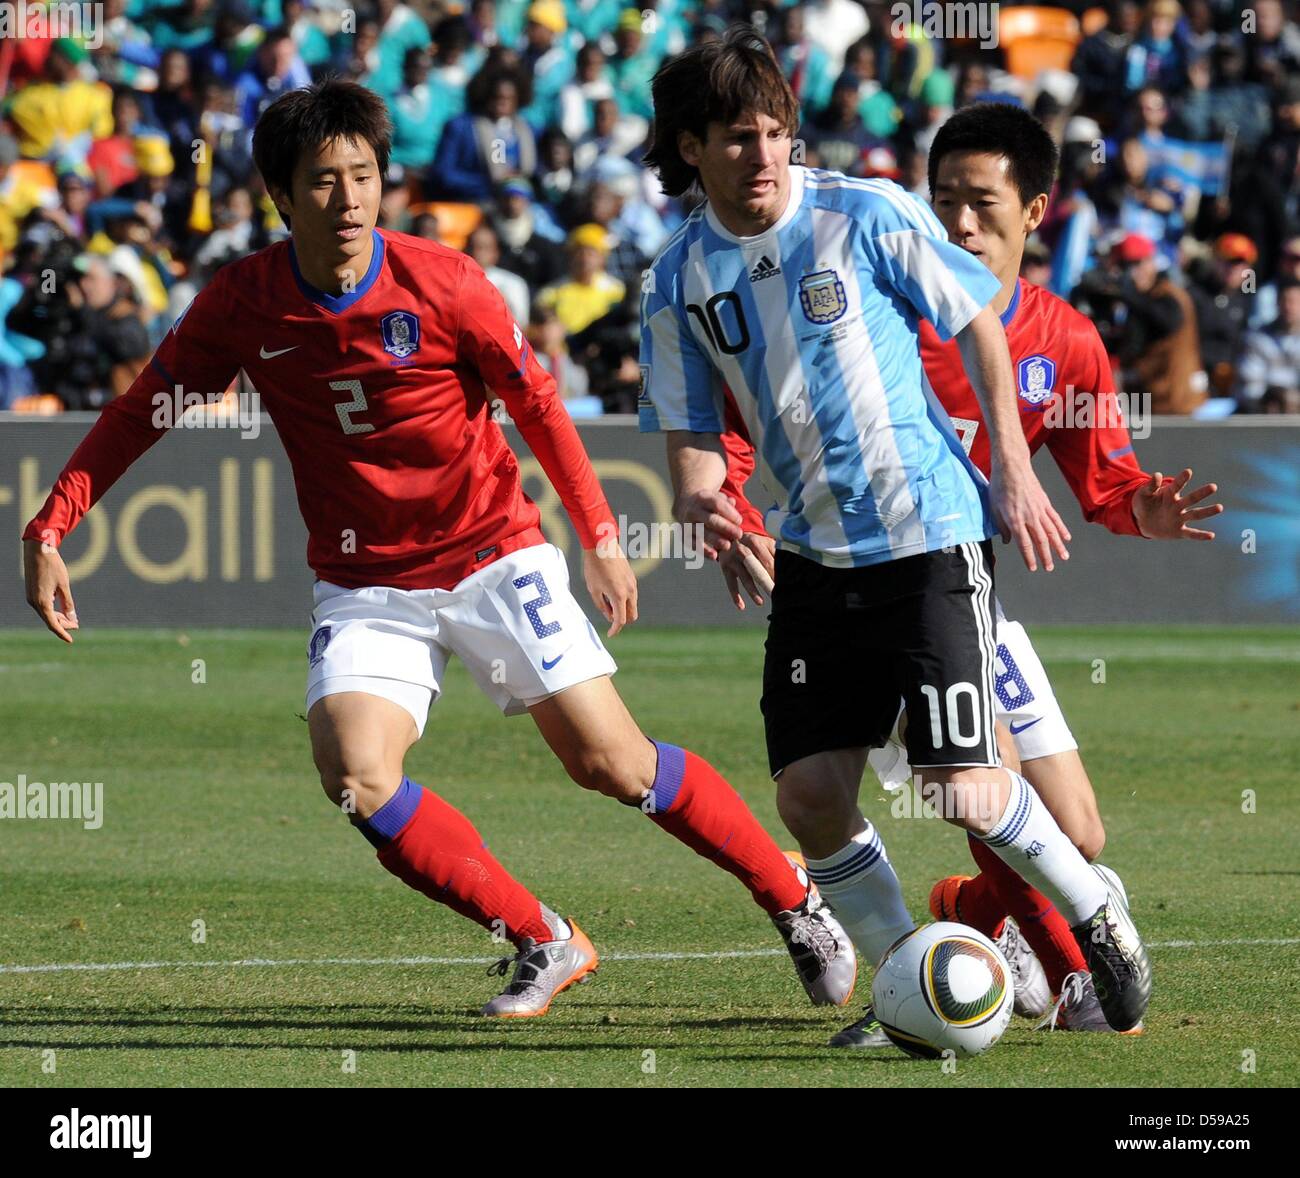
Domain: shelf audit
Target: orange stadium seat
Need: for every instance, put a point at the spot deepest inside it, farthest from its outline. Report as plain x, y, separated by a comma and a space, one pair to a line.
455, 221
1037, 39
41, 404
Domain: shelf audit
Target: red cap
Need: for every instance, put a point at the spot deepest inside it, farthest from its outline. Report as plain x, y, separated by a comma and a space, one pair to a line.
1135, 247
1236, 247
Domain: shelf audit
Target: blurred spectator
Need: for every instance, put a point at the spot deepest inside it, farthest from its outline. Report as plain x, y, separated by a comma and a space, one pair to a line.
633, 65
19, 193
1273, 49
395, 201
1223, 304
223, 49
1069, 226
1148, 325
1101, 63
879, 111
537, 258
61, 115
548, 57
625, 260
1157, 57
90, 326
487, 144
578, 97
806, 65
309, 39
1281, 153
400, 29
484, 247
420, 110
426, 225
612, 134
276, 68
1288, 270
547, 337
1269, 373
235, 236
838, 138
555, 177
589, 291
635, 219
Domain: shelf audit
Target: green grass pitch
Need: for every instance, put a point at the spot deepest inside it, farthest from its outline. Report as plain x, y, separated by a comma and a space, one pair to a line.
212, 813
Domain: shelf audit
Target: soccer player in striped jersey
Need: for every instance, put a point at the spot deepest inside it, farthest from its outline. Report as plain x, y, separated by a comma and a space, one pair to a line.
801, 291
991, 169
378, 355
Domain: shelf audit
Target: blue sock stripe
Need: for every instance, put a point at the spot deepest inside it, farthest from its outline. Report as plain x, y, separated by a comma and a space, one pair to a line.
1010, 829
861, 860
386, 823
668, 776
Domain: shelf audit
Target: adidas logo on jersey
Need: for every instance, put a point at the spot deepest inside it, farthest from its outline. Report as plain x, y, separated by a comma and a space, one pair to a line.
764, 268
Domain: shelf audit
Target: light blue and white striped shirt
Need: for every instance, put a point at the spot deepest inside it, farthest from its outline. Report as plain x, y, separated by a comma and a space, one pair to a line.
812, 325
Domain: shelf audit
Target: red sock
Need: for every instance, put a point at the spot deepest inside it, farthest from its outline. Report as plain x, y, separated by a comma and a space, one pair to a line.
1046, 930
694, 804
436, 850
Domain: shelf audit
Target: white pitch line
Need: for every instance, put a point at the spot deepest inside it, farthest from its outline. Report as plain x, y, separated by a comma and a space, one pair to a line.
715, 955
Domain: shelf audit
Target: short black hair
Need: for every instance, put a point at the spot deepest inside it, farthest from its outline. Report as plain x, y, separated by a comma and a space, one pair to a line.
301, 120
1001, 129
714, 81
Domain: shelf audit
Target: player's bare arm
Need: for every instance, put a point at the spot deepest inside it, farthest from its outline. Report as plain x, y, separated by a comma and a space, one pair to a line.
1163, 512
698, 467
1021, 509
48, 590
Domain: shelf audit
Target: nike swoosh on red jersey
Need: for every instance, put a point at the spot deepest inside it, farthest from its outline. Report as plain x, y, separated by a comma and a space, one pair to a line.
271, 355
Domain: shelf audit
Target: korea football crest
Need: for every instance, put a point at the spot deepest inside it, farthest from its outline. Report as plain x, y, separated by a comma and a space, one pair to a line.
821, 294
1036, 380
401, 331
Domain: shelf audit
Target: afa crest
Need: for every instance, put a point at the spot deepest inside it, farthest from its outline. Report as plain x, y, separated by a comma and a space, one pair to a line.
1036, 380
401, 331
822, 296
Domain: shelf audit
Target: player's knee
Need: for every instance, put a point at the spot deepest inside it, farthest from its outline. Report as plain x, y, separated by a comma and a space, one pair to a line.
811, 815
356, 793
606, 773
1092, 840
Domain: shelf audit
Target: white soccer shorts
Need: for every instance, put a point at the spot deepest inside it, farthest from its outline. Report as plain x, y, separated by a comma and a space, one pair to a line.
514, 624
1026, 704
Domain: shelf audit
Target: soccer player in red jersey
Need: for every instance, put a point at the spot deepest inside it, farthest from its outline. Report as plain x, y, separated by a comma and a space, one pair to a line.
991, 168
378, 356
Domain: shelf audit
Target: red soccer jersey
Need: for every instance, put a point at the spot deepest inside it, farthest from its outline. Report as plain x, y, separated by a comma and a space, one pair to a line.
1066, 396
382, 399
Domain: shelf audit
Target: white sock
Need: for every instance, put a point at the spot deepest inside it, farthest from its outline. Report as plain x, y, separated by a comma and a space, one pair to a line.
1027, 839
860, 885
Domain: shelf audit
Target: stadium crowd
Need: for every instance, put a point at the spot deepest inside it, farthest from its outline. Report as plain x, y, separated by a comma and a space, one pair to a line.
126, 176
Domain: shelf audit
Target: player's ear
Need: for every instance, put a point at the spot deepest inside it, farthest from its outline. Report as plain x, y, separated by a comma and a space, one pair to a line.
283, 205
689, 147
1034, 213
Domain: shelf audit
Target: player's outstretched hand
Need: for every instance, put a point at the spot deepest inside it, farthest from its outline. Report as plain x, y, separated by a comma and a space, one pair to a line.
48, 591
611, 583
1163, 512
1022, 512
750, 564
714, 512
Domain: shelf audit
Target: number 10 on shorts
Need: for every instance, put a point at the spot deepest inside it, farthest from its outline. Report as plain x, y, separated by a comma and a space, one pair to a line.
952, 702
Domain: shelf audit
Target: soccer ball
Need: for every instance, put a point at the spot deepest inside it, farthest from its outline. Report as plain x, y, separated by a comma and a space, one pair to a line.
943, 987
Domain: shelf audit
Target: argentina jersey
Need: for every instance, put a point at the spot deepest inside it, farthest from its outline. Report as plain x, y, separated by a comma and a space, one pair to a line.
812, 326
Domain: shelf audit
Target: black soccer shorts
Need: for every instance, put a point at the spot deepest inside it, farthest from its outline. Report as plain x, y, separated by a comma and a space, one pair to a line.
844, 645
